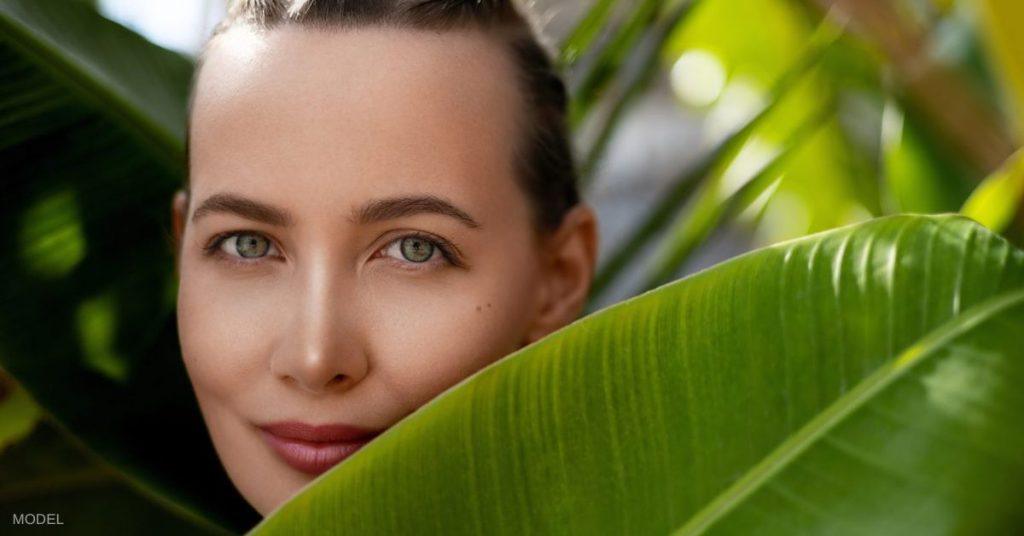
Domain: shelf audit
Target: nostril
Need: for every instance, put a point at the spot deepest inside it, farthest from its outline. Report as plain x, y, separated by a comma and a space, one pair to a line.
338, 378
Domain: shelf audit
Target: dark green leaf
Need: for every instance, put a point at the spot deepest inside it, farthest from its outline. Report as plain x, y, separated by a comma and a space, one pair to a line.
91, 141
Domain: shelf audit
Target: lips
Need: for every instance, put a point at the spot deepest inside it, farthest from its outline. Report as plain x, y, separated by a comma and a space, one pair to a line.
313, 449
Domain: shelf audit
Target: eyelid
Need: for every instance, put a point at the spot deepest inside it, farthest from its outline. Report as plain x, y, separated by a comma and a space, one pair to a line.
214, 247
451, 254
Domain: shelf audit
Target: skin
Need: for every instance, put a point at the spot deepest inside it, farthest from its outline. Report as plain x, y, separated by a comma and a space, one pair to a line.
327, 321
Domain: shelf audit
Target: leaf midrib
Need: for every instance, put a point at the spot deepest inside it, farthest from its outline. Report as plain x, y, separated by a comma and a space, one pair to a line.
834, 414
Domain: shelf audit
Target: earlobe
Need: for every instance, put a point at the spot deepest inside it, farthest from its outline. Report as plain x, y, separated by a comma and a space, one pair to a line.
569, 271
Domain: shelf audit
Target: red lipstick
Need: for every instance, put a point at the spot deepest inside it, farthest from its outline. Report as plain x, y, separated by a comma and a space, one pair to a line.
314, 449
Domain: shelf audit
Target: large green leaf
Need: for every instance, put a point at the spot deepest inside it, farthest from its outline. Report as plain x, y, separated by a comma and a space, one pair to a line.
863, 379
91, 141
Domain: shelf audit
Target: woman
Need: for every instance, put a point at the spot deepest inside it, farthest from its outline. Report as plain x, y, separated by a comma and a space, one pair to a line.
381, 201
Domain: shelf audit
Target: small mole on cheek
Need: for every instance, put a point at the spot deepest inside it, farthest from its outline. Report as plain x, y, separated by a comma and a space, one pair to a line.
478, 308
488, 305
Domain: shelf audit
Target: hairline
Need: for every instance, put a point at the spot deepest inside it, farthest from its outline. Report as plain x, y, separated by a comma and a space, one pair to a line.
505, 37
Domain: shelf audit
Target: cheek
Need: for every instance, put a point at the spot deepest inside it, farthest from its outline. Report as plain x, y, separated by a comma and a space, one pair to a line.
429, 338
246, 460
220, 323
222, 327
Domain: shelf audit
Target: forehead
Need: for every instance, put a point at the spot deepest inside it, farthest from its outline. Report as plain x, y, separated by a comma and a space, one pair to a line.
367, 111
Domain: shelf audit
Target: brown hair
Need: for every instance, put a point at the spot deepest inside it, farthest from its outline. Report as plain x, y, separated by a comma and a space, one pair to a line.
544, 158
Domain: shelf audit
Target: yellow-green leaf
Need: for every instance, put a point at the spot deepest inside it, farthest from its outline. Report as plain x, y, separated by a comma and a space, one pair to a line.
997, 199
1002, 20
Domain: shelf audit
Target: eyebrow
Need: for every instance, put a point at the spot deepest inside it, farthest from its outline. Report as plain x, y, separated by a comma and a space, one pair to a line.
372, 211
397, 207
225, 203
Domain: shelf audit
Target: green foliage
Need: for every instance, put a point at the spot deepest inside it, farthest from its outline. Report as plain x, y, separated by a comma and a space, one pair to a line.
18, 412
997, 200
91, 141
918, 176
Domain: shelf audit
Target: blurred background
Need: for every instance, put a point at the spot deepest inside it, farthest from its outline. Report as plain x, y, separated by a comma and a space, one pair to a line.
861, 108
703, 128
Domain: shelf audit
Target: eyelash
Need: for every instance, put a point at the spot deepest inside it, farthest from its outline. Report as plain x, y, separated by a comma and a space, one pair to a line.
213, 248
446, 248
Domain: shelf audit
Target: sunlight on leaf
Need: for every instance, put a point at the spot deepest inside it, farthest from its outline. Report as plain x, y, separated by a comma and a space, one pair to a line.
51, 238
751, 159
97, 331
740, 100
786, 216
997, 199
959, 389
755, 210
18, 412
855, 213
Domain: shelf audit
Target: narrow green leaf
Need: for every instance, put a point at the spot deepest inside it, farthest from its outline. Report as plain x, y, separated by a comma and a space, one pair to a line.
691, 179
632, 87
611, 58
720, 200
586, 30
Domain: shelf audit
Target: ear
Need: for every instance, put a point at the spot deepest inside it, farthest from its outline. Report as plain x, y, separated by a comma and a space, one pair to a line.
179, 210
570, 257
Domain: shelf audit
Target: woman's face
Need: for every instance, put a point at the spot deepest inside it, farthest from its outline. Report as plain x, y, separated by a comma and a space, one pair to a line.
355, 241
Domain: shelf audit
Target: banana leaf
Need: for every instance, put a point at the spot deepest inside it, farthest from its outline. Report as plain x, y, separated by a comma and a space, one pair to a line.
861, 380
91, 141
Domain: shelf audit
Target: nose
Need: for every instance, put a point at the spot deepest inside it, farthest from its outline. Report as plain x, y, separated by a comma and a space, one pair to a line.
323, 350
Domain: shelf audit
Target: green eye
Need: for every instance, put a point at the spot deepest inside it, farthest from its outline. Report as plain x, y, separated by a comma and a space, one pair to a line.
251, 245
416, 249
